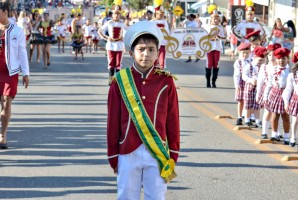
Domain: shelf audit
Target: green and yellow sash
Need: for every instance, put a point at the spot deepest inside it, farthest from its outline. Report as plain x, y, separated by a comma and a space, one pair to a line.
144, 126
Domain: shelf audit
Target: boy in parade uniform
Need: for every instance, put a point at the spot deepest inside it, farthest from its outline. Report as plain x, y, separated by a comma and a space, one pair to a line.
143, 133
115, 45
162, 24
61, 28
214, 55
263, 78
250, 76
273, 94
87, 30
245, 27
244, 53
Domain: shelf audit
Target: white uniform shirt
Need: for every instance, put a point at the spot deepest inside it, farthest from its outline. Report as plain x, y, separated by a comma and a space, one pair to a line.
216, 44
263, 77
94, 33
87, 30
108, 26
291, 86
237, 72
162, 24
62, 30
277, 81
245, 27
250, 75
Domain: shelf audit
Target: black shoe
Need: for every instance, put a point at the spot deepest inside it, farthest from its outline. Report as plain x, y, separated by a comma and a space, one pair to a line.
247, 124
273, 138
3, 146
286, 142
197, 60
258, 125
213, 85
239, 122
264, 136
208, 85
292, 144
189, 60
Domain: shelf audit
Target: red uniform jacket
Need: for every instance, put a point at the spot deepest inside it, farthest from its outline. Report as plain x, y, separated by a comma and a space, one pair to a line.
159, 96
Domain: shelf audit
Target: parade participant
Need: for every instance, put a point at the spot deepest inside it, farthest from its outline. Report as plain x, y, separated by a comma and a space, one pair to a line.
24, 23
87, 28
290, 97
273, 94
250, 76
48, 39
36, 38
69, 22
244, 53
192, 23
149, 15
75, 22
289, 35
162, 24
213, 56
61, 35
95, 37
13, 59
242, 29
78, 42
143, 154
255, 40
115, 46
263, 77
233, 45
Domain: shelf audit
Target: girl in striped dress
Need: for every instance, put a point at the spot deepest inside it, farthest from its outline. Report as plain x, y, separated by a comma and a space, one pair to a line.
261, 85
244, 53
273, 94
250, 76
290, 97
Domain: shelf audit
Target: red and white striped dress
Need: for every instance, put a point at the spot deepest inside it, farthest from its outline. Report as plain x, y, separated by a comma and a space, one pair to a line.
275, 87
290, 94
238, 81
250, 75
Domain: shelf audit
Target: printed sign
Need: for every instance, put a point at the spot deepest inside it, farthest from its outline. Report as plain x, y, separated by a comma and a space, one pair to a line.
189, 42
238, 14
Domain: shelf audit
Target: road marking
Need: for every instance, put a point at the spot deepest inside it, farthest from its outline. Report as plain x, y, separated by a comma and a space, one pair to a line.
208, 110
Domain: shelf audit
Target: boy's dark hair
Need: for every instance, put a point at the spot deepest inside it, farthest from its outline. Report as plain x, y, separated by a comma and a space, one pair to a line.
149, 12
5, 6
255, 38
146, 38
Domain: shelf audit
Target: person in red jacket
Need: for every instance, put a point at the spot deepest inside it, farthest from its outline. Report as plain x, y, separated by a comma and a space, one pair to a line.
142, 127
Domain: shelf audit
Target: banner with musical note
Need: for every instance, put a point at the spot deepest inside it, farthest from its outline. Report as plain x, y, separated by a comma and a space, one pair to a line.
188, 42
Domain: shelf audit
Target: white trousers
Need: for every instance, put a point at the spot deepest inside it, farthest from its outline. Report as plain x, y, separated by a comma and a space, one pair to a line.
139, 169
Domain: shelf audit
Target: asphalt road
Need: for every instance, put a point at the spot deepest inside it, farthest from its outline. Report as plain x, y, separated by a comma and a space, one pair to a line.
57, 138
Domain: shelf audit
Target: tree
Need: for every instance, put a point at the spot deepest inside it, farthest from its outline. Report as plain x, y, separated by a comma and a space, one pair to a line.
139, 5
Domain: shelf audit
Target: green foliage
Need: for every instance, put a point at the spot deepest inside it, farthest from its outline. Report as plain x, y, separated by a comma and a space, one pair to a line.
139, 5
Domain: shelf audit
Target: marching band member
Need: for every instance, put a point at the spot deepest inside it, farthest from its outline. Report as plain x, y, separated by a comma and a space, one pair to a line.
87, 29
214, 55
61, 34
48, 38
134, 129
115, 46
273, 94
162, 24
36, 39
245, 27
95, 37
250, 76
290, 97
244, 53
263, 77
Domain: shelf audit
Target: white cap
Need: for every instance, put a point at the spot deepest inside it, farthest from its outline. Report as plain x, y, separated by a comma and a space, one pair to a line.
141, 28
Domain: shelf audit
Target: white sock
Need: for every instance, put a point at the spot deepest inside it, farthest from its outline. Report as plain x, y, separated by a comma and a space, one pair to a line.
273, 134
287, 136
247, 120
257, 121
265, 127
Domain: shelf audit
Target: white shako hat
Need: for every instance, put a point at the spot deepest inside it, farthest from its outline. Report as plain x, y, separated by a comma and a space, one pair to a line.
141, 28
